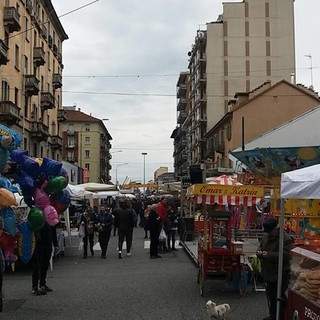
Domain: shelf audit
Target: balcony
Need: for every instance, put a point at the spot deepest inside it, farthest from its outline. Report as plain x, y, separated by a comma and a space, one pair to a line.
9, 113
56, 142
57, 80
47, 101
29, 6
38, 56
3, 53
59, 57
31, 85
70, 132
182, 117
182, 104
181, 91
43, 31
11, 19
70, 145
71, 159
39, 131
61, 116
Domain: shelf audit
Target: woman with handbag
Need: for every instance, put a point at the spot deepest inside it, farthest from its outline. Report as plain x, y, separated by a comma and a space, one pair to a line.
104, 226
88, 220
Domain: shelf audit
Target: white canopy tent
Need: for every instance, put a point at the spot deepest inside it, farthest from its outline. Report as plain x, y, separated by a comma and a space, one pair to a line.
298, 184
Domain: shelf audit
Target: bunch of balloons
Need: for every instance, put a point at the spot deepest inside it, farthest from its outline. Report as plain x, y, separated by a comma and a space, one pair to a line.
42, 184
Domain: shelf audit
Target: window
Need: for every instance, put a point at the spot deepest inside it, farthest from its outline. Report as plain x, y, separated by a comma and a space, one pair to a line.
6, 38
5, 91
16, 56
87, 166
26, 28
87, 153
267, 9
48, 59
70, 128
268, 49
267, 29
25, 64
87, 140
87, 126
268, 68
247, 29
71, 141
16, 96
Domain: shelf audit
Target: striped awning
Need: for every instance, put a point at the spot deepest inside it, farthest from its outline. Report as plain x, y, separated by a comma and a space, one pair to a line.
226, 194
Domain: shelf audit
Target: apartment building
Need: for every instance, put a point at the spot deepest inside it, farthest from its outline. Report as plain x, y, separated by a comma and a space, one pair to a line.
254, 113
86, 143
251, 42
31, 38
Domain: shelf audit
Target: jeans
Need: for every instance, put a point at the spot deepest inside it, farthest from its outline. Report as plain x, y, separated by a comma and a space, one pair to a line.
104, 238
171, 237
89, 237
125, 234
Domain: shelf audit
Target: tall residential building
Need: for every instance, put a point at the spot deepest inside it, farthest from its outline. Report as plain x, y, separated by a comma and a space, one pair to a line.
86, 143
250, 43
31, 38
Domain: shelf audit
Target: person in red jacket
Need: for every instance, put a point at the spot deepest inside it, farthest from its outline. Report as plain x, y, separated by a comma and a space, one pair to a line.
162, 213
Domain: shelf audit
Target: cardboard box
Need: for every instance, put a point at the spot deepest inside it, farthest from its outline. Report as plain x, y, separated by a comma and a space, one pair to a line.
237, 247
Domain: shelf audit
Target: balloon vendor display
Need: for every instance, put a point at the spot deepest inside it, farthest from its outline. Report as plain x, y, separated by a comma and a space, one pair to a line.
42, 184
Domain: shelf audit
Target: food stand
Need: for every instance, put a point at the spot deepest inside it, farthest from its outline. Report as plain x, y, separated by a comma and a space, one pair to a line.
216, 250
304, 296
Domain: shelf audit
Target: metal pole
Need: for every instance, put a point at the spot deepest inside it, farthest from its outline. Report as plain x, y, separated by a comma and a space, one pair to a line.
144, 172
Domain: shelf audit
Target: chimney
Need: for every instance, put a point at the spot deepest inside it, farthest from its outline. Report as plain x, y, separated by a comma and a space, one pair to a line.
293, 78
79, 109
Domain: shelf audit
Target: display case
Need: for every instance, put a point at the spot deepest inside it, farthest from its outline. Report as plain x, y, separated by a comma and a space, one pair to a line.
304, 295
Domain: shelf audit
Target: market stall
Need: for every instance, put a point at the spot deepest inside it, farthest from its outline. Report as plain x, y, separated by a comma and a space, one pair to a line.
216, 249
304, 297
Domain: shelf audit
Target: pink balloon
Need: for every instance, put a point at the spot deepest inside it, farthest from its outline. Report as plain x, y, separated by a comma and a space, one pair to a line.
41, 199
51, 215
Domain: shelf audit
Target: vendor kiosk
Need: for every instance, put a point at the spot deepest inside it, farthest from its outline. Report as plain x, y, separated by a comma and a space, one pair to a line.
216, 250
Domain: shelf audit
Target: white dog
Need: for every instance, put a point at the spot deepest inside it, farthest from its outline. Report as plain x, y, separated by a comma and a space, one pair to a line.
217, 311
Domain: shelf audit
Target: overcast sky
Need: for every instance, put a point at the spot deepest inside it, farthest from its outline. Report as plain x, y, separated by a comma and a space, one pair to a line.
123, 59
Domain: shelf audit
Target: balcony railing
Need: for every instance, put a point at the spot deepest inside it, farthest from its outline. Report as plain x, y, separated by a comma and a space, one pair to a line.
3, 53
11, 19
56, 142
9, 113
57, 80
43, 31
47, 100
61, 116
39, 131
50, 41
31, 84
38, 56
59, 57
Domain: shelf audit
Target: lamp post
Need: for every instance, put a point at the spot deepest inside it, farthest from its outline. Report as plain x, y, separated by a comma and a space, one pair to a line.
144, 171
121, 164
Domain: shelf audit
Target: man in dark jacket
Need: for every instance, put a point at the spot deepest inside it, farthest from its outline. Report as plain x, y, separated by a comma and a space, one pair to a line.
124, 221
105, 221
154, 227
45, 238
268, 252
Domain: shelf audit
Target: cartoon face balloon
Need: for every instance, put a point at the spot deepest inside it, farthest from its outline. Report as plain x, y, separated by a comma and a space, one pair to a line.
41, 199
7, 198
51, 216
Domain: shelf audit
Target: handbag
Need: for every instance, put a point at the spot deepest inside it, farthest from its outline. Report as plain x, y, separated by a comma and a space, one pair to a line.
162, 236
81, 232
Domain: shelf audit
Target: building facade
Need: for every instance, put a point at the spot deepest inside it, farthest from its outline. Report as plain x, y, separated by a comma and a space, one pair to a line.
31, 38
250, 43
86, 143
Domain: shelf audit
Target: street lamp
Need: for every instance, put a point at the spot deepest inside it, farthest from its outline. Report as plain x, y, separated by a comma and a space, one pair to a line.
121, 164
144, 171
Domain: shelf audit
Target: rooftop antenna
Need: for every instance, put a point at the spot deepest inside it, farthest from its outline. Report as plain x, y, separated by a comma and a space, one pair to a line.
311, 69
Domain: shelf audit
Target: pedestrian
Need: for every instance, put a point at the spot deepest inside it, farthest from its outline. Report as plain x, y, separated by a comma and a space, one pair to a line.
162, 212
171, 226
145, 221
268, 252
124, 221
44, 239
154, 227
104, 226
2, 266
88, 220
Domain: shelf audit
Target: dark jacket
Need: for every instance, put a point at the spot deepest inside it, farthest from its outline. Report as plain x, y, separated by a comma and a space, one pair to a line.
124, 218
106, 221
46, 236
154, 221
269, 262
172, 220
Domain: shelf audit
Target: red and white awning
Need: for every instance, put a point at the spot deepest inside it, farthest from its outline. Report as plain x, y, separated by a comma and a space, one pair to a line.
223, 200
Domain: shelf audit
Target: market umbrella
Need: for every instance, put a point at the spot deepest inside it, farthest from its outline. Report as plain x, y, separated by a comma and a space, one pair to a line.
225, 180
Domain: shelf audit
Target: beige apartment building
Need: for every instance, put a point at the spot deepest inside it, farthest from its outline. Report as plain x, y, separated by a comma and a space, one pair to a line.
31, 38
251, 42
86, 143
254, 113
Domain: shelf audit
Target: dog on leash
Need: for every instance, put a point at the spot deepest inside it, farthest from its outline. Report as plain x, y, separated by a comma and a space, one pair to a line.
217, 311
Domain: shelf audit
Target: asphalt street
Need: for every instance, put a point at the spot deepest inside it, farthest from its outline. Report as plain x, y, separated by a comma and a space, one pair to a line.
135, 287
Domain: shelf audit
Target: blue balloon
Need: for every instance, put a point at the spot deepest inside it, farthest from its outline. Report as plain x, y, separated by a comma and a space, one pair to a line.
9, 220
50, 168
25, 248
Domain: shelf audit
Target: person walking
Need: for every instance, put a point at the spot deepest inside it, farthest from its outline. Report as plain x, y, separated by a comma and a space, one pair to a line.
44, 239
268, 252
162, 212
124, 221
88, 220
104, 226
171, 227
154, 227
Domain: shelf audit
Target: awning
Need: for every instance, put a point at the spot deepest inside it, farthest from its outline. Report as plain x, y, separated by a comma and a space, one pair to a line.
222, 195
